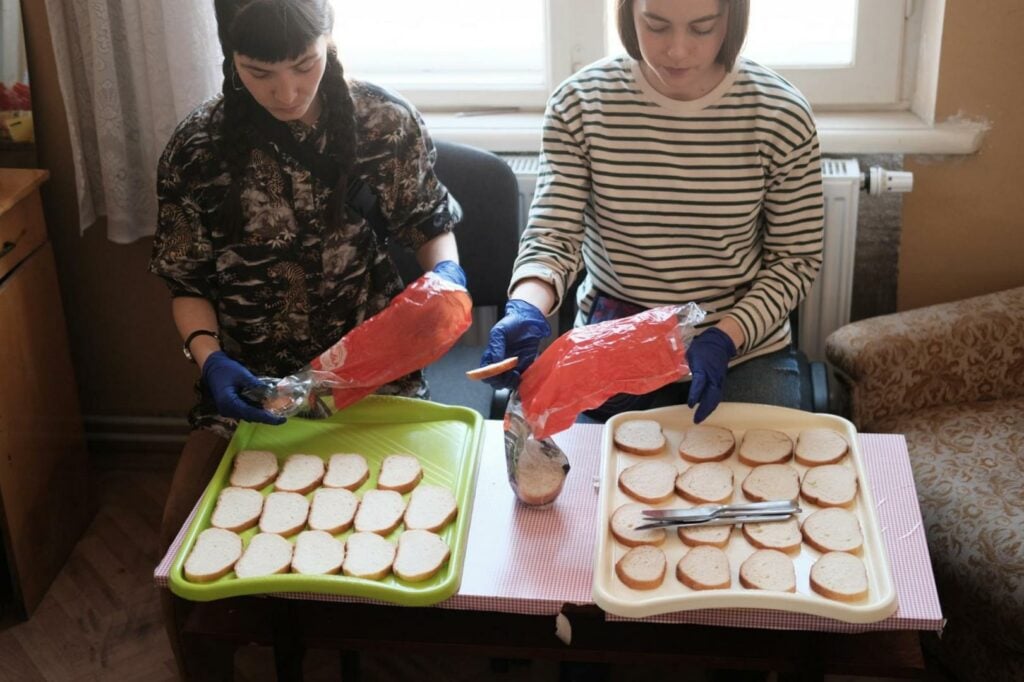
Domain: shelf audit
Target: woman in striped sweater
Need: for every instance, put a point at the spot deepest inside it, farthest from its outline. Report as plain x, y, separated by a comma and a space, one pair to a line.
679, 172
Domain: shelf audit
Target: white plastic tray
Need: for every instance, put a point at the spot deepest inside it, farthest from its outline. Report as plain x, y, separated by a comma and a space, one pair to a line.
616, 598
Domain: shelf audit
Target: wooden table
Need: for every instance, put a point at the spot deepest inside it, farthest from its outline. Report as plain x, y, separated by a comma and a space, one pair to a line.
510, 597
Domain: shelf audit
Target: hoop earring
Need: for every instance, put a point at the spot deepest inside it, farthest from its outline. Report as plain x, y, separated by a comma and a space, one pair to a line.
235, 83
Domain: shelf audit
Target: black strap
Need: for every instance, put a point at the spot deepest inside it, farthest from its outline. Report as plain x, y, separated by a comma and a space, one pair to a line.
359, 196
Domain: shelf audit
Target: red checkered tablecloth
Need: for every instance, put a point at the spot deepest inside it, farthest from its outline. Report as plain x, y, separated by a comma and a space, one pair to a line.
532, 561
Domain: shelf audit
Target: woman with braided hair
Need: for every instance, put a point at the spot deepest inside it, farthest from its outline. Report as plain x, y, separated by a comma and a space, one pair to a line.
269, 258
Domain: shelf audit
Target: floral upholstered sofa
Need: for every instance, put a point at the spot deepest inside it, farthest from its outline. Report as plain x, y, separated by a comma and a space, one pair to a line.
950, 377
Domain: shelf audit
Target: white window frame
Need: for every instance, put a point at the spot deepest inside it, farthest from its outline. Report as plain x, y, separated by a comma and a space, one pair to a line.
576, 33
575, 38
896, 116
876, 78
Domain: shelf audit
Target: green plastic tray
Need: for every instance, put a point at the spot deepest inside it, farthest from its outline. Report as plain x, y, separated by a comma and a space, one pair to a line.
446, 440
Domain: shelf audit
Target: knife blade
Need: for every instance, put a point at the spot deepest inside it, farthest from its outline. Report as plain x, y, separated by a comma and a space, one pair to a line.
720, 521
722, 510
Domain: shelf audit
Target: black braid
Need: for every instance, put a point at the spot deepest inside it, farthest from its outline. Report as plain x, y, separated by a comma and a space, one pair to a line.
341, 130
235, 148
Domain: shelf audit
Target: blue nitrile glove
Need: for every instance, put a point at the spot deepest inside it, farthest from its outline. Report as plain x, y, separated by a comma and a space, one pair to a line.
708, 356
451, 271
226, 379
517, 334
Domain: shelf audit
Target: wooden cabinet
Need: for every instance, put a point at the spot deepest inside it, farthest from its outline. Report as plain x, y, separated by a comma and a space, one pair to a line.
43, 464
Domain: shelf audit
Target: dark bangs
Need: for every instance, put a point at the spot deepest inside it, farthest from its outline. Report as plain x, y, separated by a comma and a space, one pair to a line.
277, 30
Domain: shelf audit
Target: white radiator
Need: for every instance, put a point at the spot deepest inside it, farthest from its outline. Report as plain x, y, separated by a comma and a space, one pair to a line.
526, 167
827, 306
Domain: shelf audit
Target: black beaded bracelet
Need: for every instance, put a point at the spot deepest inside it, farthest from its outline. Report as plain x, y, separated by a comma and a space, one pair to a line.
188, 341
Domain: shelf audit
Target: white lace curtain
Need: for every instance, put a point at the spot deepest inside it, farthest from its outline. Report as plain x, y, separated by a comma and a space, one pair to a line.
129, 71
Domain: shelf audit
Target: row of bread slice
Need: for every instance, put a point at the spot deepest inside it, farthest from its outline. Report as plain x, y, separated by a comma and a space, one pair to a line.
831, 529
301, 473
655, 481
835, 575
418, 556
334, 510
707, 443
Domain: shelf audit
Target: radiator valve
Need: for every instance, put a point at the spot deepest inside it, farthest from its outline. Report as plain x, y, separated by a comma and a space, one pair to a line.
878, 180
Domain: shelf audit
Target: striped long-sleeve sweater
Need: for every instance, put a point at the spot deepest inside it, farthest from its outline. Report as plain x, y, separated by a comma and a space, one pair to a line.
716, 201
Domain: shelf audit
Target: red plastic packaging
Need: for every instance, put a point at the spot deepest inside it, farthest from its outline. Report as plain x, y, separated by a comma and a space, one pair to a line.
587, 365
417, 328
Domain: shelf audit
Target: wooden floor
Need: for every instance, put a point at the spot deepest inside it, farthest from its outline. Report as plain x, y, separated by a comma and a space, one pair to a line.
101, 619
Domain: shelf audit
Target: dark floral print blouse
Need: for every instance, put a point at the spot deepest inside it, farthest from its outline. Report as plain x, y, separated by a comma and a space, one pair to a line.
294, 284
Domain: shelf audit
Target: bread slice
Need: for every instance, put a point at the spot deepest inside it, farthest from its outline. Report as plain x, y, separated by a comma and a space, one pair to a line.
345, 470
830, 485
317, 553
833, 530
768, 569
765, 446
237, 509
267, 554
539, 478
300, 474
254, 469
650, 481
839, 576
420, 555
333, 510
706, 483
380, 511
640, 437
820, 446
714, 536
623, 525
642, 568
284, 514
400, 473
368, 555
704, 568
703, 443
431, 507
214, 555
781, 535
772, 482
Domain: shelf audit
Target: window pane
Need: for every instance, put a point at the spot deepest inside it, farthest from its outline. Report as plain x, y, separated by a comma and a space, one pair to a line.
806, 33
443, 43
802, 32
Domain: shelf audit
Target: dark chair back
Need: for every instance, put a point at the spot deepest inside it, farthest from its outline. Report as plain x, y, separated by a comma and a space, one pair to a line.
488, 239
488, 235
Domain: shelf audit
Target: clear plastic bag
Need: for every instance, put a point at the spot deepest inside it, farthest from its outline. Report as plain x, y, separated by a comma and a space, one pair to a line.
296, 394
536, 468
587, 365
419, 326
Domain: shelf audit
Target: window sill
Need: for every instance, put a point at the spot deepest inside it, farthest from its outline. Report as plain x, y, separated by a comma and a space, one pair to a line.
898, 132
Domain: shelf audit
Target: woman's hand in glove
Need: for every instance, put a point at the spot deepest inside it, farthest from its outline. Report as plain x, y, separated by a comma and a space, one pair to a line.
226, 379
451, 271
708, 357
517, 334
